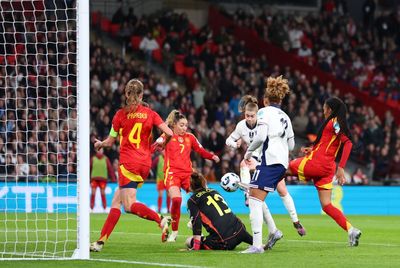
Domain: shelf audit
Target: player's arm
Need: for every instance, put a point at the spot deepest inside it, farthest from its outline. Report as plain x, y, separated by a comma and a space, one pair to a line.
262, 133
98, 144
194, 212
232, 140
198, 148
290, 139
347, 145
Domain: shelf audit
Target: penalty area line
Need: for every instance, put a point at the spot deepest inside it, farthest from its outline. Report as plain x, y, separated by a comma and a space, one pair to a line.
148, 263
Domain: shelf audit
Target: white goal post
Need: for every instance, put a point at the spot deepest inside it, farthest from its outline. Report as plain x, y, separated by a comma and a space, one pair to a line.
44, 130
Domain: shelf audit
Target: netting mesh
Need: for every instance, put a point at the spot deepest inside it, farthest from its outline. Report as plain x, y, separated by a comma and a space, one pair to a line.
38, 128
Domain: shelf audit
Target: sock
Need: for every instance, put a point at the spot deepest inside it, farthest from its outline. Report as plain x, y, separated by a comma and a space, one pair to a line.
104, 200
110, 223
145, 212
245, 175
168, 203
289, 205
159, 204
337, 215
256, 220
268, 218
176, 212
92, 197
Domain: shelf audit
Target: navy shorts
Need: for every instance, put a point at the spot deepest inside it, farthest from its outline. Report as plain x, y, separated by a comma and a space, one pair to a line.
267, 177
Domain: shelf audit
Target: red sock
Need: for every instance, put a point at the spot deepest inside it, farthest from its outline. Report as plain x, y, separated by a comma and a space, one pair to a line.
110, 223
104, 200
337, 215
92, 196
159, 204
176, 212
145, 212
168, 203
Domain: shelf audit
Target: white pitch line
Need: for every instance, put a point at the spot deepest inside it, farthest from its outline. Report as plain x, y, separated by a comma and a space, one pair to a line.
148, 263
289, 240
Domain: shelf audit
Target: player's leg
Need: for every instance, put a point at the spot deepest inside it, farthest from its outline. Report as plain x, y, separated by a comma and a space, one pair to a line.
103, 186
174, 191
256, 200
337, 215
160, 192
109, 224
245, 179
168, 202
93, 186
130, 178
268, 219
290, 207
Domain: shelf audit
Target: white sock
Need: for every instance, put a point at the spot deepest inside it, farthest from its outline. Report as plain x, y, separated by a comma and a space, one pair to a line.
245, 175
268, 218
256, 220
289, 205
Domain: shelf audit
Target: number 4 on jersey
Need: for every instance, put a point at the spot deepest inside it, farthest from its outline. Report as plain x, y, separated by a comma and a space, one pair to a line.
134, 135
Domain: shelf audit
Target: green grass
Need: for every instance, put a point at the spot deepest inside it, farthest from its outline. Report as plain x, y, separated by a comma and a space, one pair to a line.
138, 241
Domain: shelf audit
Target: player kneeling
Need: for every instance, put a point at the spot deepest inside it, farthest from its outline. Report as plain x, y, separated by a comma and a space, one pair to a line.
208, 208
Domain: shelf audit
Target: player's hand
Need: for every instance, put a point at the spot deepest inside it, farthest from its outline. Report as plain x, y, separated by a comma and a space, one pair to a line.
305, 150
98, 144
247, 156
239, 143
215, 158
340, 176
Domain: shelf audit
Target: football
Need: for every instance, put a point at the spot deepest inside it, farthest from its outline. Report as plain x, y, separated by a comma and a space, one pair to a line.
230, 182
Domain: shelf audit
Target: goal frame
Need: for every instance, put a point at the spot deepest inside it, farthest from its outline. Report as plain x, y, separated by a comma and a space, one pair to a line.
83, 138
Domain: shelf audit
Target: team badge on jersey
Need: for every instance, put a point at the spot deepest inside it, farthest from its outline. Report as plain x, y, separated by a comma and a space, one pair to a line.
180, 139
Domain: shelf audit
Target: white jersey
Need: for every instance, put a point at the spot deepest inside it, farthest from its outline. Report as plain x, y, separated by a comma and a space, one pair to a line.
246, 133
275, 149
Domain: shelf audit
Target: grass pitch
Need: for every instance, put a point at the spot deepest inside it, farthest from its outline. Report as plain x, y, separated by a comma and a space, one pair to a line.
137, 243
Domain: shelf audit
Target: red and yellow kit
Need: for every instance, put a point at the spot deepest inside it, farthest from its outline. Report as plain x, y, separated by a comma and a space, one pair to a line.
134, 130
319, 165
177, 163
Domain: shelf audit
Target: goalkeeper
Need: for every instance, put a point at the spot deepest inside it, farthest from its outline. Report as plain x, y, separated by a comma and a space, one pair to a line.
207, 208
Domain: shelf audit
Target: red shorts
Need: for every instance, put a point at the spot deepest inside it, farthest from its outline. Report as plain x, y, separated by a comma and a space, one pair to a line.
132, 172
160, 185
98, 183
320, 173
179, 180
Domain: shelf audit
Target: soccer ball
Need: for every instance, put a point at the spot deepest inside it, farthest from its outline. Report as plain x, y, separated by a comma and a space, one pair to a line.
230, 182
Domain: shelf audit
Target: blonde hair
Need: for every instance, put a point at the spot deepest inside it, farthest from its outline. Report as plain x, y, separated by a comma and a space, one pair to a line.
248, 102
133, 89
276, 89
173, 118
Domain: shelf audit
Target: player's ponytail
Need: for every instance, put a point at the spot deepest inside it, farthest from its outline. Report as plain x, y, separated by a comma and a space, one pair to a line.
173, 118
197, 182
339, 111
248, 102
276, 89
133, 93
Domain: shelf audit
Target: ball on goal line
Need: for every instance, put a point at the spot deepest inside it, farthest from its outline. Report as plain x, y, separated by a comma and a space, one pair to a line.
230, 182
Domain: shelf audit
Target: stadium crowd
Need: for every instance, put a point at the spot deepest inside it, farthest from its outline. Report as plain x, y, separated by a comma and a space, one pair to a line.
224, 71
364, 55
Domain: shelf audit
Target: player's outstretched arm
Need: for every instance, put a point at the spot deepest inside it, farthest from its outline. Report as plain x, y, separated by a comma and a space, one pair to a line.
98, 144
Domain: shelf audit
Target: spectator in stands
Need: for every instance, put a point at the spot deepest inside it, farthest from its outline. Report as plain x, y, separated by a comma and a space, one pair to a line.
359, 177
148, 45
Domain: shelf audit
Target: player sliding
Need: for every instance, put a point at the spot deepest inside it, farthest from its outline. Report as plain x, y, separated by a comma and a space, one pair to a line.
245, 131
207, 208
178, 166
319, 163
133, 124
275, 135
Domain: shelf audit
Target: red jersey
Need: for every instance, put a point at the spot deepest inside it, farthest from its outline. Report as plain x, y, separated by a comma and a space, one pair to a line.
177, 154
331, 140
134, 129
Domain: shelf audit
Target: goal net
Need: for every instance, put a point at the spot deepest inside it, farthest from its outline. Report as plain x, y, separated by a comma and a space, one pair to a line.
41, 209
